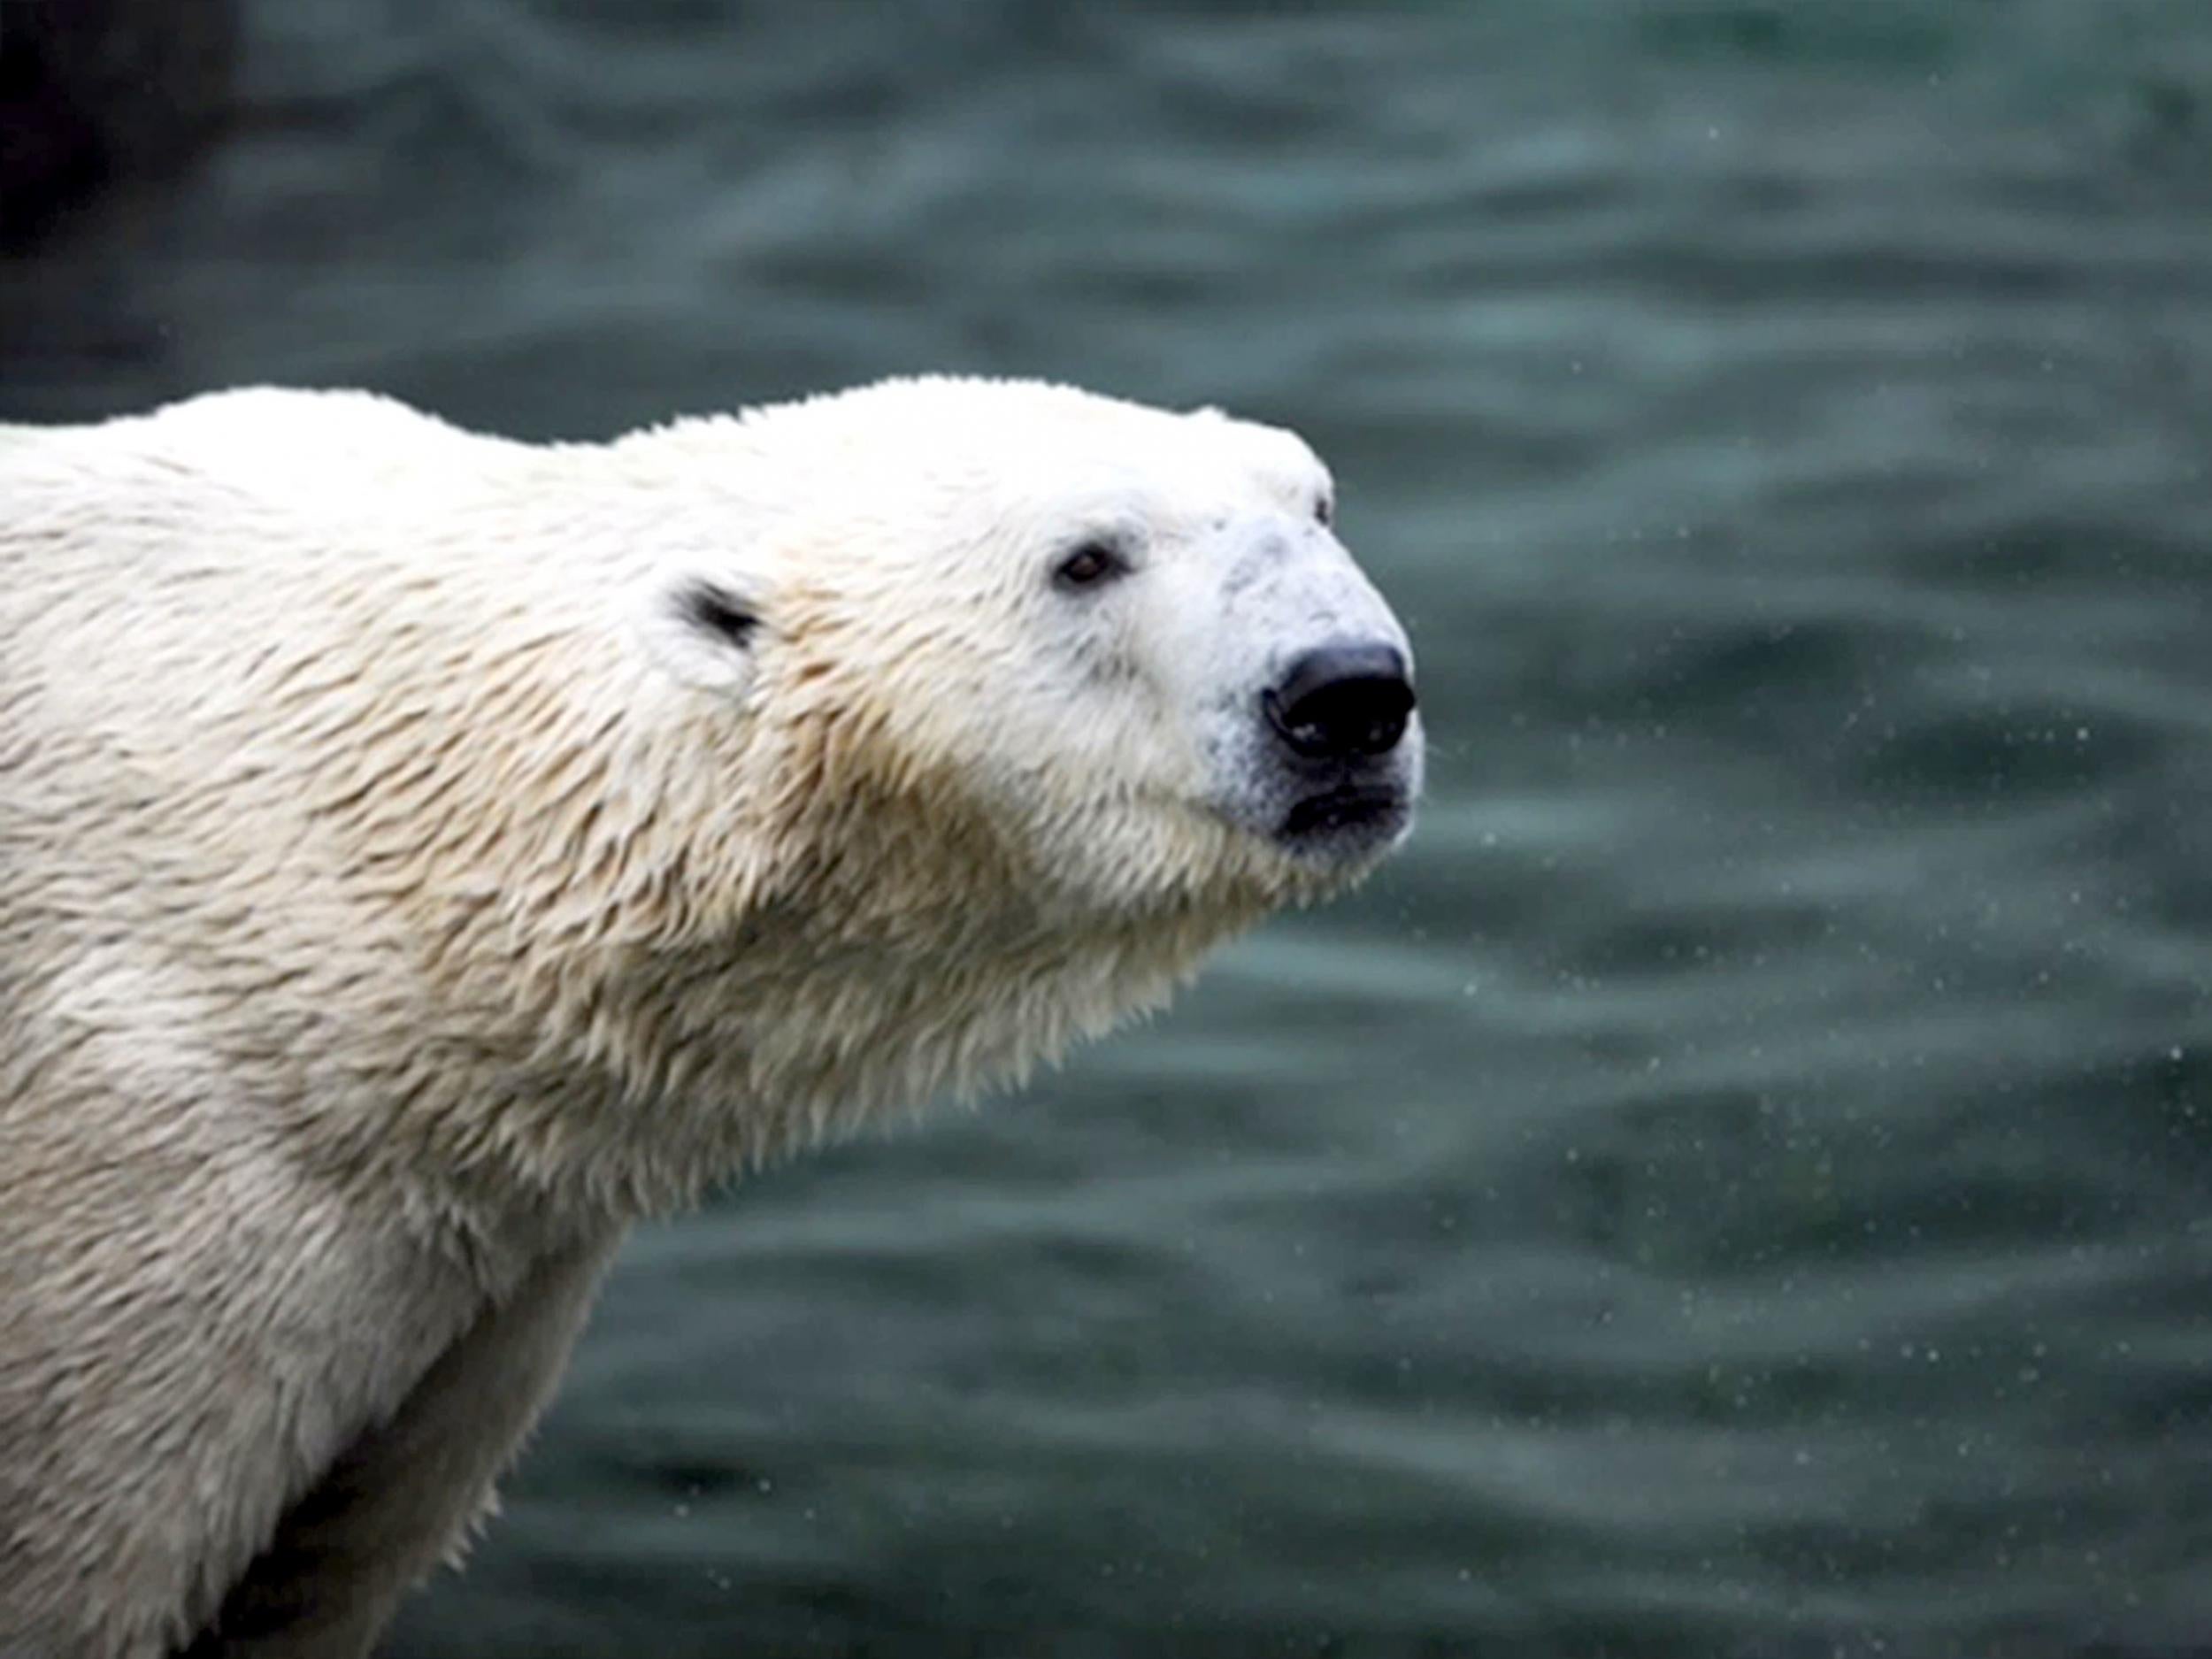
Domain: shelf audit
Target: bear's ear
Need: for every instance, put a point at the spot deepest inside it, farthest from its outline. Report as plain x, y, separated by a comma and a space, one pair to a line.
703, 631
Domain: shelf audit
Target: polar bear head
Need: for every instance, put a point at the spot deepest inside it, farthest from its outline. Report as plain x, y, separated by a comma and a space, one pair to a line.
961, 719
1126, 641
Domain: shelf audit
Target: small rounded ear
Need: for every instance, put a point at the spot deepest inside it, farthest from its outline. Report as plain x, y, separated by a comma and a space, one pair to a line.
703, 631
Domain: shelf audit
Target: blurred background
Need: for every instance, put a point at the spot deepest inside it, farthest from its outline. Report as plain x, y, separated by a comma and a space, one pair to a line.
1742, 1183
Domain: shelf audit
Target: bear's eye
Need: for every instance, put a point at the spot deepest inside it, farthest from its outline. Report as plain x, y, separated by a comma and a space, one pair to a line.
1323, 511
718, 611
1090, 565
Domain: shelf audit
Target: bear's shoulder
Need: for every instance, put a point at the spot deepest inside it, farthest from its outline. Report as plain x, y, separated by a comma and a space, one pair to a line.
322, 450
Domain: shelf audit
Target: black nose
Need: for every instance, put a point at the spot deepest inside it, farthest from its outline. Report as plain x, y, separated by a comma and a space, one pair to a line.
1342, 702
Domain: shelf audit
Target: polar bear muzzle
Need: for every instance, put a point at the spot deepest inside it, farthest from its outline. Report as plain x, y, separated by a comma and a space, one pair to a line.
1341, 711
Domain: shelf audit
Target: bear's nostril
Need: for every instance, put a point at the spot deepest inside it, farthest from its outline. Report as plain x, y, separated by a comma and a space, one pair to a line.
1342, 702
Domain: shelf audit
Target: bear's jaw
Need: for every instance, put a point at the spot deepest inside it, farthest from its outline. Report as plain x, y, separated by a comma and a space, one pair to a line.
737, 1008
654, 1009
712, 1061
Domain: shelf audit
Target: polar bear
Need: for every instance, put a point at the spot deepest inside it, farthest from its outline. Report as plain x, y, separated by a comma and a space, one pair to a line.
424, 854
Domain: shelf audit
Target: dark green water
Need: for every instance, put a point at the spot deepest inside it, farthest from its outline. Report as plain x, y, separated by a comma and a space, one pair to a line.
1741, 1183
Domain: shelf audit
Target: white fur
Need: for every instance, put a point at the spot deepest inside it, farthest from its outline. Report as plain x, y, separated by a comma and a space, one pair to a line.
401, 890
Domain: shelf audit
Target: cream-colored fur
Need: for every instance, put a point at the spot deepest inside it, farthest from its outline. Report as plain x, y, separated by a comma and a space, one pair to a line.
421, 854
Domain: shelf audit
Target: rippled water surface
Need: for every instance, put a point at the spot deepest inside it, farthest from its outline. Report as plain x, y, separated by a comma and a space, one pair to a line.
1740, 1184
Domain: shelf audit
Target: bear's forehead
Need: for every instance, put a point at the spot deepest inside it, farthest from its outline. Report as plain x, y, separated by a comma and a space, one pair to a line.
1061, 437
1026, 458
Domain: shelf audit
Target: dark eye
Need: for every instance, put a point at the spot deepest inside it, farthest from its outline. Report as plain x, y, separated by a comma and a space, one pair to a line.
1090, 565
1323, 511
719, 612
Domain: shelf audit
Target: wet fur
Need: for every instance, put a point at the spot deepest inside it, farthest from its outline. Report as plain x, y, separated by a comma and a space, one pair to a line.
388, 916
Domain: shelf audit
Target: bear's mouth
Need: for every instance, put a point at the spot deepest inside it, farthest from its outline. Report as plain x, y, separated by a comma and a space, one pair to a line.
1349, 807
